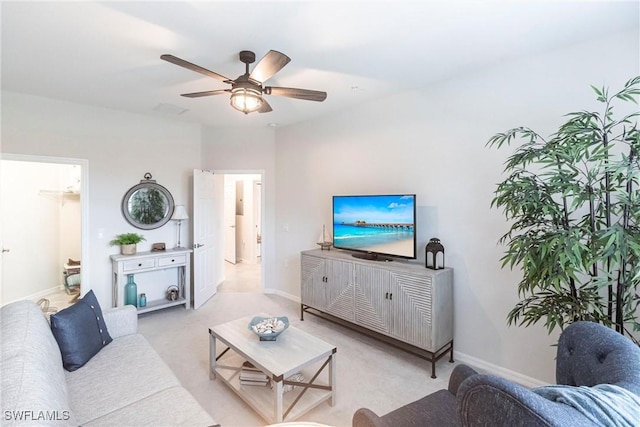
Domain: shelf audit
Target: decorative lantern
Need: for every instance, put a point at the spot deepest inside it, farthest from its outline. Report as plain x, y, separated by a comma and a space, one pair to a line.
434, 247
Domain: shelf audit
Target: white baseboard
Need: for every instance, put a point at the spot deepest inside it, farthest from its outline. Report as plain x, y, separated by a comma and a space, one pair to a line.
490, 368
286, 295
37, 295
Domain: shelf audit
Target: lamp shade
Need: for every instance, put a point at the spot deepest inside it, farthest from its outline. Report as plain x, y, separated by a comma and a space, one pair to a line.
180, 213
245, 99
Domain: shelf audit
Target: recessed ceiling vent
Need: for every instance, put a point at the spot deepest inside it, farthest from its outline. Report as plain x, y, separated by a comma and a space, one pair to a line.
174, 110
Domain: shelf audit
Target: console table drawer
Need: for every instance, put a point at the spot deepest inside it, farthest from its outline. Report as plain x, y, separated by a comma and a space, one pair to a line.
140, 264
174, 260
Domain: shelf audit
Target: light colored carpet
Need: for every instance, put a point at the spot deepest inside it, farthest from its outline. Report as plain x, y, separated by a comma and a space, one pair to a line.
241, 277
369, 373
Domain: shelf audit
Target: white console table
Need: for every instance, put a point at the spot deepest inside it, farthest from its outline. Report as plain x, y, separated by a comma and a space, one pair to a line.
146, 262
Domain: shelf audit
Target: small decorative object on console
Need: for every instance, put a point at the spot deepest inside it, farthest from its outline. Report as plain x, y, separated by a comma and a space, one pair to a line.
434, 247
158, 247
268, 328
323, 242
173, 293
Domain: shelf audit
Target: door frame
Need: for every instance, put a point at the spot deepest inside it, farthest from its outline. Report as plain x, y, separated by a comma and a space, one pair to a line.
84, 203
263, 209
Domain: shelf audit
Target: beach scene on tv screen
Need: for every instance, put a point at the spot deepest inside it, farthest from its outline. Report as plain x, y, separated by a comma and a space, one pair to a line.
382, 224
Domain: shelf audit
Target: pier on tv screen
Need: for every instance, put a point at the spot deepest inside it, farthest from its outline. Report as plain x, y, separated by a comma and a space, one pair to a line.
383, 224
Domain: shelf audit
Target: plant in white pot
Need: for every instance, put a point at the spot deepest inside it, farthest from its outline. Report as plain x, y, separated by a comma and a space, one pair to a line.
127, 242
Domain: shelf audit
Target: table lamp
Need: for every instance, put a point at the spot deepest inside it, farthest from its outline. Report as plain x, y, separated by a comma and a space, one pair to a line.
179, 214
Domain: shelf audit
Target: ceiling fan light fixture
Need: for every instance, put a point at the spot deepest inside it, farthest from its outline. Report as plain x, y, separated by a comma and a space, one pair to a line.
245, 99
247, 89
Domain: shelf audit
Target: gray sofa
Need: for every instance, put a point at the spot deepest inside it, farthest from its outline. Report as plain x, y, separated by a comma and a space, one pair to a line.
126, 383
588, 355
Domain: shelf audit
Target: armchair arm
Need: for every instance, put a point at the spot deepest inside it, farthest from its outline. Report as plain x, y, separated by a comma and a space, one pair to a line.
121, 321
490, 400
459, 374
436, 409
364, 417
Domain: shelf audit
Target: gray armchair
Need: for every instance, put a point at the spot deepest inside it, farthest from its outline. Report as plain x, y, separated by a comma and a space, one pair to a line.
588, 354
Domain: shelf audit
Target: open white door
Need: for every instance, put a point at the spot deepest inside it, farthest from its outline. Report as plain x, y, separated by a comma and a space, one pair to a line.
207, 221
230, 220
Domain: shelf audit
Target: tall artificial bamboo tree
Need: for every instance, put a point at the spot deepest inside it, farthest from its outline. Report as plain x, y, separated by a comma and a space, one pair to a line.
573, 201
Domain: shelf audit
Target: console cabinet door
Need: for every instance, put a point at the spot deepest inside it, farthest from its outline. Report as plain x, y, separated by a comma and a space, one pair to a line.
394, 303
327, 285
372, 303
339, 287
412, 309
314, 287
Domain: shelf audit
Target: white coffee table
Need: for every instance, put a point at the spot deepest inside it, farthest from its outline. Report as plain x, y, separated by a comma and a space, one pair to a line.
294, 351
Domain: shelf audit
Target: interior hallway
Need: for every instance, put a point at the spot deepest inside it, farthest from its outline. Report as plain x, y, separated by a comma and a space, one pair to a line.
241, 277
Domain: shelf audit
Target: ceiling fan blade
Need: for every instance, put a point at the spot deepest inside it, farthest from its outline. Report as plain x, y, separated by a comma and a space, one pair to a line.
289, 92
270, 64
193, 67
265, 107
206, 93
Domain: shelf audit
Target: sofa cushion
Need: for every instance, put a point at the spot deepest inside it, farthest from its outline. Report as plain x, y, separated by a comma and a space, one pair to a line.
34, 390
125, 371
171, 407
80, 331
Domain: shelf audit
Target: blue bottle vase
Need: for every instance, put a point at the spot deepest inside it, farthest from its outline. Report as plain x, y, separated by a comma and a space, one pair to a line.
131, 292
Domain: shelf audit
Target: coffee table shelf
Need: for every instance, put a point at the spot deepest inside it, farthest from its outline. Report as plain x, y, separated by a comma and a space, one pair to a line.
294, 351
261, 398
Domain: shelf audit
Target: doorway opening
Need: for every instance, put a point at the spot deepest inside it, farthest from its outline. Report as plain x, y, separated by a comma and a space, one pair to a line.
43, 219
243, 209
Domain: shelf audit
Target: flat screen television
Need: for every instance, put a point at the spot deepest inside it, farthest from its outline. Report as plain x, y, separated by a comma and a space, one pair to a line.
375, 226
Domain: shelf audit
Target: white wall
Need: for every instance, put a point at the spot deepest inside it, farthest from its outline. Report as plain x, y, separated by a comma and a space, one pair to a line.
120, 148
432, 142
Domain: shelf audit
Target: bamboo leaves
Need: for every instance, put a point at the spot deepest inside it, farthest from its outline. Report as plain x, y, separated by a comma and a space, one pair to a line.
573, 201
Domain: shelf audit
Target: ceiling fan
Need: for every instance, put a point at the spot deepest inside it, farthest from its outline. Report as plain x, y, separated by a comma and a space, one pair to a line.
247, 90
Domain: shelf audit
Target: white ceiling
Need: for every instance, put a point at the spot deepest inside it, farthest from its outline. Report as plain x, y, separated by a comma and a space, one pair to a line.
107, 54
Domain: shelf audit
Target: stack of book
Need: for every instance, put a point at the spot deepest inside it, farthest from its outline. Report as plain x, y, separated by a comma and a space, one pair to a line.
250, 375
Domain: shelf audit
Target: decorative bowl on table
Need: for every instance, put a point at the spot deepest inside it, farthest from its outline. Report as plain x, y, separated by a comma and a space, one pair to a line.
268, 328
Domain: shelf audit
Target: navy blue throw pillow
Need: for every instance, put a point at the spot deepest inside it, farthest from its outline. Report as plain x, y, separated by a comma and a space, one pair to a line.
80, 331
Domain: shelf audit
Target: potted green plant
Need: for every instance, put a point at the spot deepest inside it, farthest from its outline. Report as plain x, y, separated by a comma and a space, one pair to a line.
573, 201
127, 242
